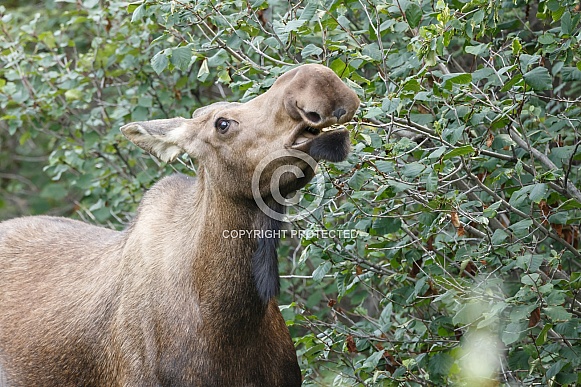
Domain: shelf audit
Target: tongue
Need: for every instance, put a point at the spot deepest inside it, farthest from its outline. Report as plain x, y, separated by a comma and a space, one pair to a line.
301, 139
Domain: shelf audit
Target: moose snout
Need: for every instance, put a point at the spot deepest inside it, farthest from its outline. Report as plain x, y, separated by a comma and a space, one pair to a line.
321, 116
317, 119
315, 95
339, 113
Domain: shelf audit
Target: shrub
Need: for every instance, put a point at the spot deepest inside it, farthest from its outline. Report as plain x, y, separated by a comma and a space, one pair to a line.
445, 249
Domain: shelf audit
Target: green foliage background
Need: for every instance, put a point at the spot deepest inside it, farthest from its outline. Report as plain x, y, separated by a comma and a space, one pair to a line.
463, 184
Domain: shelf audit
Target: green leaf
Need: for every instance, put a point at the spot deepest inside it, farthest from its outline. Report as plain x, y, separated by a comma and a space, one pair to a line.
440, 364
539, 79
513, 332
530, 262
432, 182
467, 314
383, 226
521, 226
435, 155
399, 186
412, 85
546, 38
54, 191
373, 112
555, 369
559, 218
514, 81
218, 59
359, 178
527, 60
502, 140
539, 192
372, 50
570, 74
518, 360
292, 25
516, 47
570, 204
562, 152
181, 57
566, 23
204, 71
47, 38
457, 79
90, 3
309, 11
431, 58
413, 15
159, 61
73, 94
477, 50
224, 77
460, 151
484, 73
385, 166
311, 49
131, 7
413, 170
490, 212
339, 67
283, 30
542, 337
390, 105
372, 361
453, 134
557, 313
139, 11
320, 272
519, 196
530, 279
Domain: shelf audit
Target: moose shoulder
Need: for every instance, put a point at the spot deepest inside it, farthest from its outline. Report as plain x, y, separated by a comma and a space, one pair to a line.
169, 301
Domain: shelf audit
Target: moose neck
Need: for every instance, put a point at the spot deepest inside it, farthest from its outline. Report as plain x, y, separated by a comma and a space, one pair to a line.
235, 265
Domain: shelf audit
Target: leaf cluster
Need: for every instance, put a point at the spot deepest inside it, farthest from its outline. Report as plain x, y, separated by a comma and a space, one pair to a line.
458, 260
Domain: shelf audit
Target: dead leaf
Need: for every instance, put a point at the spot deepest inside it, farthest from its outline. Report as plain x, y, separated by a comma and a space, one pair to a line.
390, 363
545, 210
430, 243
489, 139
455, 219
351, 347
415, 268
470, 269
558, 229
535, 317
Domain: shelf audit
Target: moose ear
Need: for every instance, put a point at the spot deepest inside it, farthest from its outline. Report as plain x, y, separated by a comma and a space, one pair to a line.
161, 138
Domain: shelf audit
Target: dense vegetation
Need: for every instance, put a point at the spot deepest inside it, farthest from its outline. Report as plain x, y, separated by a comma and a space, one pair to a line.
460, 261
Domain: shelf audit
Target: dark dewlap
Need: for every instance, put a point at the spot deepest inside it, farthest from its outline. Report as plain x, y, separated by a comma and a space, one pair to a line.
265, 258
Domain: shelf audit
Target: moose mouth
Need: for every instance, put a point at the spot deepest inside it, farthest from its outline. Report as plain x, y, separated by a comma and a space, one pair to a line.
305, 135
330, 143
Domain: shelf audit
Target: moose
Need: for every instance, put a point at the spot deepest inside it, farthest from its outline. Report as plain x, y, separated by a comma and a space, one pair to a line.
169, 301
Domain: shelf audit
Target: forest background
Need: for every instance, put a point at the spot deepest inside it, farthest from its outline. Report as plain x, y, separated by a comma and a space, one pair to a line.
460, 261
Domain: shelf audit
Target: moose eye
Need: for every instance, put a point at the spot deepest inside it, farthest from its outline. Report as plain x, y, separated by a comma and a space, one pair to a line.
222, 125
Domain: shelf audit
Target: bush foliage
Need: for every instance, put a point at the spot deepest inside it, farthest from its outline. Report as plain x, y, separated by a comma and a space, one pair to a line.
459, 263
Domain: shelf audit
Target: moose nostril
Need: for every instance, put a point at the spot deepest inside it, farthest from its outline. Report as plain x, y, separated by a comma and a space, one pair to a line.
313, 117
339, 113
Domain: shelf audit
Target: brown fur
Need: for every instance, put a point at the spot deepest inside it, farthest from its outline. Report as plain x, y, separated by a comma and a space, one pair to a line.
169, 301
